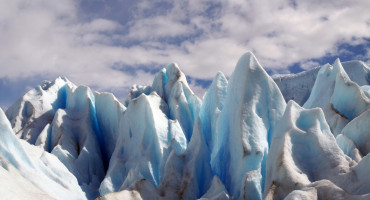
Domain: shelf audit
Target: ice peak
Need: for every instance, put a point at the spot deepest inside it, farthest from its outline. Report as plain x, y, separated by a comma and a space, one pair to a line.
252, 97
337, 62
220, 76
169, 75
337, 67
173, 70
63, 78
242, 141
248, 69
167, 78
219, 81
248, 62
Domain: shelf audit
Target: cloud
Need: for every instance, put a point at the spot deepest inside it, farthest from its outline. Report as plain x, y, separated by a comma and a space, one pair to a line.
48, 38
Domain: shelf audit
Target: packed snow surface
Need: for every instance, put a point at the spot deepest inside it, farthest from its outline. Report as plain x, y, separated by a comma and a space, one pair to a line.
298, 136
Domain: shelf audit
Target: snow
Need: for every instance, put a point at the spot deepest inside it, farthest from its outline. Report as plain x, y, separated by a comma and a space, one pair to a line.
242, 141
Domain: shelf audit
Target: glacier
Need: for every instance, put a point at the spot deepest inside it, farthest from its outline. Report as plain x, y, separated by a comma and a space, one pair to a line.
252, 136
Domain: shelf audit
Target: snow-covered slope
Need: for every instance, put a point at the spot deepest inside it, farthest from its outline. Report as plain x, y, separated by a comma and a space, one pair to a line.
62, 141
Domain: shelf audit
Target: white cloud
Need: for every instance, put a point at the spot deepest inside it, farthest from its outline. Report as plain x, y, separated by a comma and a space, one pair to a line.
309, 65
198, 90
48, 38
157, 27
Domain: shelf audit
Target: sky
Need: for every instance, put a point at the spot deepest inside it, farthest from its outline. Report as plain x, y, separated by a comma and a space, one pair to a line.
110, 45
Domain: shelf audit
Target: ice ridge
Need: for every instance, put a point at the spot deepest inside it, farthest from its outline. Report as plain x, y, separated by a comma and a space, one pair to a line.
241, 141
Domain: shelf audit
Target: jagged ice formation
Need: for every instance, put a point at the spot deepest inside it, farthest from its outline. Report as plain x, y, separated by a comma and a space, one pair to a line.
241, 141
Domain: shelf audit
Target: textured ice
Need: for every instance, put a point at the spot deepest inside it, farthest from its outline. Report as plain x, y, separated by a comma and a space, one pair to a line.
171, 85
325, 83
62, 141
354, 139
348, 98
12, 180
62, 119
31, 113
109, 112
253, 105
298, 87
213, 102
41, 173
341, 99
75, 138
190, 171
141, 189
216, 191
304, 154
146, 136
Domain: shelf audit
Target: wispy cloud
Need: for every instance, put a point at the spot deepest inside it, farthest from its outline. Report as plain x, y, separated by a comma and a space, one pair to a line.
84, 40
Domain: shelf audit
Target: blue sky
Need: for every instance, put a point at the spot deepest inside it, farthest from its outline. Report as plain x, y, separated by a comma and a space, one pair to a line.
111, 45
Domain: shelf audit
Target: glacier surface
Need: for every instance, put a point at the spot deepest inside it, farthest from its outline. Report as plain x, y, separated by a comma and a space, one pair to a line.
252, 136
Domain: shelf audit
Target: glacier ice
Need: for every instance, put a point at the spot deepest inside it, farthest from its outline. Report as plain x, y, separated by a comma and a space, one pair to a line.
189, 171
217, 190
108, 114
304, 154
171, 85
212, 105
241, 141
41, 173
36, 108
298, 87
341, 99
141, 189
354, 139
75, 139
253, 105
12, 180
143, 148
61, 118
